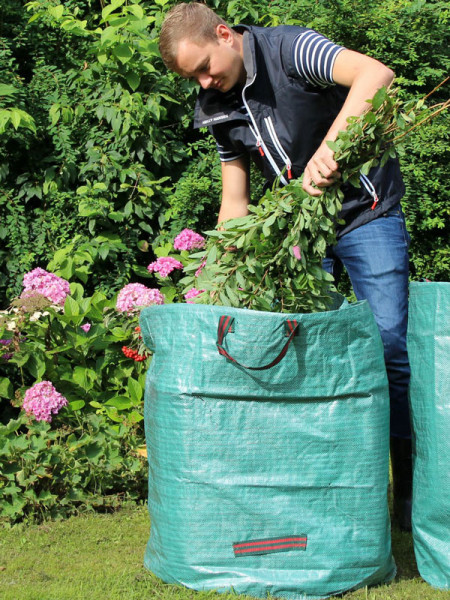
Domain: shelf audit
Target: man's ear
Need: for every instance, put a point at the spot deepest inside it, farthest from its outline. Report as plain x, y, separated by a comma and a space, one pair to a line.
224, 33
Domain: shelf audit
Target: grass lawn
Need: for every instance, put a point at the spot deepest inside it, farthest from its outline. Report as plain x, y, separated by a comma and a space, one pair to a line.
99, 557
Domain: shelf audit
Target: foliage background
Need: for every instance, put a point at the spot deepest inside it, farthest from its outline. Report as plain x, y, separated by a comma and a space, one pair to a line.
99, 165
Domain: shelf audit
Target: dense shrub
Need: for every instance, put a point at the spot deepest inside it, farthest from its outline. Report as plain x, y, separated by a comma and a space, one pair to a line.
87, 455
427, 200
104, 132
85, 463
79, 348
194, 201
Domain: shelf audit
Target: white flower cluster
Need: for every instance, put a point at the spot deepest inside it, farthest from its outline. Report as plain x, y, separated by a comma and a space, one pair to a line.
9, 316
37, 315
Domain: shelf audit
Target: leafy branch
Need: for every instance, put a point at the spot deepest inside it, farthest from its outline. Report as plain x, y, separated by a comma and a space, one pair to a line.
272, 258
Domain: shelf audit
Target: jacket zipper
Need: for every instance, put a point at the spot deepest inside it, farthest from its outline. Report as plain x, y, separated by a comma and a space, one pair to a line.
370, 188
263, 150
284, 157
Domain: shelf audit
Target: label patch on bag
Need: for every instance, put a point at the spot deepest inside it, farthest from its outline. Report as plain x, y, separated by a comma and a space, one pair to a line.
267, 546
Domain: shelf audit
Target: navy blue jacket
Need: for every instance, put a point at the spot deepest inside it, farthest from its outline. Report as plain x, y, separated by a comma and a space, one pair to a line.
286, 120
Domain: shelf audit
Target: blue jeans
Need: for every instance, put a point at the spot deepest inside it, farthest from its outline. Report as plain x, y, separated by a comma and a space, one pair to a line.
375, 256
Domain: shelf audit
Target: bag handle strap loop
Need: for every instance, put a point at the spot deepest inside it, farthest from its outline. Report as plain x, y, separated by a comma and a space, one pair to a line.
226, 326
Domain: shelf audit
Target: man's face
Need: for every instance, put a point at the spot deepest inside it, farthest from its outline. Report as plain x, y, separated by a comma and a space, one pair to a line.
217, 65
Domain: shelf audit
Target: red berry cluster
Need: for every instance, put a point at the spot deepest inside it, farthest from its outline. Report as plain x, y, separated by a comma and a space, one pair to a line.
134, 354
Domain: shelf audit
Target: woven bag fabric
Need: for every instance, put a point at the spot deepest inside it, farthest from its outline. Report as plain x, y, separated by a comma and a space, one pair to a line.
429, 355
273, 480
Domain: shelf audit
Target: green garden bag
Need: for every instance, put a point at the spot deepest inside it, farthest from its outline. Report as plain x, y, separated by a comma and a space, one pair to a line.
429, 355
268, 444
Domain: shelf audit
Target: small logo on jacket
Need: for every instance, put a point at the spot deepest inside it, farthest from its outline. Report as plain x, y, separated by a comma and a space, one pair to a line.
214, 119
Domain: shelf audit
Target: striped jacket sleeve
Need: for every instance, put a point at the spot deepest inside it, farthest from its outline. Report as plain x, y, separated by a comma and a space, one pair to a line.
314, 56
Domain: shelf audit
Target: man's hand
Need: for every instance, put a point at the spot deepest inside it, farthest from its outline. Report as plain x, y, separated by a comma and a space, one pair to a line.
321, 171
363, 76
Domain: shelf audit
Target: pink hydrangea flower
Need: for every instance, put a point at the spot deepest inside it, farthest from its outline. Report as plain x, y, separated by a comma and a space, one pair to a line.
164, 265
192, 293
86, 327
42, 400
188, 239
136, 295
296, 252
39, 281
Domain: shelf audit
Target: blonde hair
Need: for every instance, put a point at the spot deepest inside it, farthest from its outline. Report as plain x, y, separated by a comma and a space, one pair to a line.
194, 21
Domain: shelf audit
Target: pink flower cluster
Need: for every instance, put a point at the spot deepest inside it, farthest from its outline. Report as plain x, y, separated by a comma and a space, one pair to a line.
192, 293
39, 281
188, 239
136, 295
86, 327
42, 400
164, 265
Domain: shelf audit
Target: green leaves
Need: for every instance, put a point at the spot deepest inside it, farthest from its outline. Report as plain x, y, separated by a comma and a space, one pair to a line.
49, 473
111, 7
119, 402
123, 52
84, 377
87, 367
135, 391
6, 388
71, 307
133, 80
77, 405
212, 255
17, 118
249, 262
7, 90
377, 101
56, 11
97, 107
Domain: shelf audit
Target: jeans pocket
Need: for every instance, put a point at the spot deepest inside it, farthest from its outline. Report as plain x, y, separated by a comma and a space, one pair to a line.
395, 211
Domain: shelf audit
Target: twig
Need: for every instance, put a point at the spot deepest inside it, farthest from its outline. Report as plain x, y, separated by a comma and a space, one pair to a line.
444, 106
437, 87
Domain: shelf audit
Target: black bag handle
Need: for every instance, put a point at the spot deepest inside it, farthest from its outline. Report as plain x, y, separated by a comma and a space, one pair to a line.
226, 325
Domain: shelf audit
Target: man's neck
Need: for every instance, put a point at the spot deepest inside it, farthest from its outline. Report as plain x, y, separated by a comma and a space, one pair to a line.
239, 37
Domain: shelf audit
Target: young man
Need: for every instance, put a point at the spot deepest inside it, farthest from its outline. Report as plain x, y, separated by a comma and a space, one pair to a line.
276, 96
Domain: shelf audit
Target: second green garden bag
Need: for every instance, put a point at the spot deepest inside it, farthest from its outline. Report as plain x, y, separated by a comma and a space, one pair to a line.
429, 355
267, 440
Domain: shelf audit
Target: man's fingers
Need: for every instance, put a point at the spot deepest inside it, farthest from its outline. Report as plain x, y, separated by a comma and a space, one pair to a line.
321, 170
313, 188
312, 191
314, 179
308, 186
